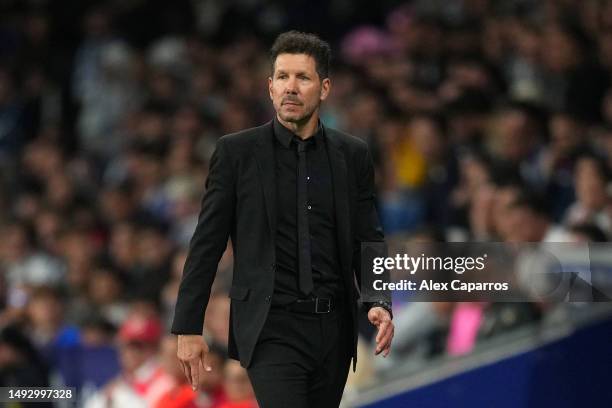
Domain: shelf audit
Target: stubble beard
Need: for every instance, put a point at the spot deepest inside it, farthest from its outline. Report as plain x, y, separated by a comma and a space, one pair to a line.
299, 119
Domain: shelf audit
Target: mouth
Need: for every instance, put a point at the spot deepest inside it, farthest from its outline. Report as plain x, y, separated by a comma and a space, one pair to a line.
291, 103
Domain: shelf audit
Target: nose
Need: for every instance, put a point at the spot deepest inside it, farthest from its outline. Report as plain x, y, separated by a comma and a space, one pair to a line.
291, 87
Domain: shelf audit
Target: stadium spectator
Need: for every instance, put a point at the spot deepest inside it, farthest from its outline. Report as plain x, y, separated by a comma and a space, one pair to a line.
46, 326
592, 198
142, 381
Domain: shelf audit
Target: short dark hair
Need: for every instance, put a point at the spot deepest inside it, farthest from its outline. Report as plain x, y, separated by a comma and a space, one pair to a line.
296, 42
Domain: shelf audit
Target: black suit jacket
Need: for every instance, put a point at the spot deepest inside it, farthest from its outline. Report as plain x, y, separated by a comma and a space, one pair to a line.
239, 202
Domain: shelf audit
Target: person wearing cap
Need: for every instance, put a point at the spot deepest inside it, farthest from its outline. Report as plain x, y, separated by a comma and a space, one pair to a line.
297, 199
142, 381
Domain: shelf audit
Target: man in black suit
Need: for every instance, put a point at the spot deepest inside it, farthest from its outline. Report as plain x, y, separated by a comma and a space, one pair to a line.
297, 200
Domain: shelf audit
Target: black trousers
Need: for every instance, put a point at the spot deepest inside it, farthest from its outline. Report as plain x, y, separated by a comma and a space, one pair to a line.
301, 360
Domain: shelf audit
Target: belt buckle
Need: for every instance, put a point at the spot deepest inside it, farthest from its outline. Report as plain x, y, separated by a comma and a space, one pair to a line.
324, 301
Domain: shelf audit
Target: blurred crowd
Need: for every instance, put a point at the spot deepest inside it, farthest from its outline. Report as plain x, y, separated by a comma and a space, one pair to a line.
487, 120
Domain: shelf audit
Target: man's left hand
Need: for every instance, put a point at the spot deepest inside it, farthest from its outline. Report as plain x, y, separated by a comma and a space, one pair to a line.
380, 318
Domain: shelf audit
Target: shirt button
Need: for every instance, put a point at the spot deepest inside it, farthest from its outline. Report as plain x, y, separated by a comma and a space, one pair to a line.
268, 298
308, 178
310, 207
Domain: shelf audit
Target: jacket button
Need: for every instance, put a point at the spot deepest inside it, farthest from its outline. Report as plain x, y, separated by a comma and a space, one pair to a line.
268, 298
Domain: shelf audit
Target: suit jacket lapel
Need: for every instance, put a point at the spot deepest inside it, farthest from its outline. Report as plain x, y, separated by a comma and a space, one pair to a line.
341, 201
264, 154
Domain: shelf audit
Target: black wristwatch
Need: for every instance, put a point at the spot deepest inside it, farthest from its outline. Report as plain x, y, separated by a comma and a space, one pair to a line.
381, 303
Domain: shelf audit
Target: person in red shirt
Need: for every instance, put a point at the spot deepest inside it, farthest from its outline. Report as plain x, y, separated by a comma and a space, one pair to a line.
142, 380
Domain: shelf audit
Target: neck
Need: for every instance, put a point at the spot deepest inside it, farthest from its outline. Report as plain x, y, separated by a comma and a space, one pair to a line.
304, 129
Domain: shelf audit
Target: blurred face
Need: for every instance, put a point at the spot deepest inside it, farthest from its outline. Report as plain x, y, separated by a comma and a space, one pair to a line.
524, 225
590, 185
565, 134
481, 208
474, 173
123, 244
9, 355
104, 288
152, 248
296, 89
59, 191
426, 137
78, 252
45, 312
134, 354
365, 112
514, 135
43, 159
47, 226
94, 336
560, 52
115, 205
14, 244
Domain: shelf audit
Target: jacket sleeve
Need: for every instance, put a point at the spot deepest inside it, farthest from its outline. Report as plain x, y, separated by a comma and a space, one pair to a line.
369, 237
207, 244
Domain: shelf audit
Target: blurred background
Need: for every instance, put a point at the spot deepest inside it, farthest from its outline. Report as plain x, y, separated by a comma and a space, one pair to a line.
487, 120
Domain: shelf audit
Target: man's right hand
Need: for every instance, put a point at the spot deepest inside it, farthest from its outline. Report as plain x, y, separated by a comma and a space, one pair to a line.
192, 354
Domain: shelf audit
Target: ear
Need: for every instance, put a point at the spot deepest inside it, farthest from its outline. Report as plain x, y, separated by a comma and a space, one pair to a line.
325, 88
270, 87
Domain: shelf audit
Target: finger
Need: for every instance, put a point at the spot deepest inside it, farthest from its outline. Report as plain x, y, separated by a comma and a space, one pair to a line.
389, 340
195, 373
206, 363
384, 338
387, 350
186, 370
183, 368
381, 329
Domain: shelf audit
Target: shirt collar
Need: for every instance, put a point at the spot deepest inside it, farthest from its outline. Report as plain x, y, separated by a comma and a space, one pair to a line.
285, 136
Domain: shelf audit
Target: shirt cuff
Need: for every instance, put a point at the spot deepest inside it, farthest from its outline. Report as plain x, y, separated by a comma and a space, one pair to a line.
381, 303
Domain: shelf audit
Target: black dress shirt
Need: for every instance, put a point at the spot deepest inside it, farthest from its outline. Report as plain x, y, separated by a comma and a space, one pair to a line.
321, 218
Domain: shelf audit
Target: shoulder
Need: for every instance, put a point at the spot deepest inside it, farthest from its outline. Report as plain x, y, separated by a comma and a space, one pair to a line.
245, 138
345, 140
353, 148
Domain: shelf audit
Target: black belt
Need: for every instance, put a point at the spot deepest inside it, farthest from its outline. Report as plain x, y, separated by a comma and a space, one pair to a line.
316, 305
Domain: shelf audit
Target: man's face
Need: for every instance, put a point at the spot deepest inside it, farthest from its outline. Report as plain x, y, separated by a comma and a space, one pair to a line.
295, 87
134, 354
